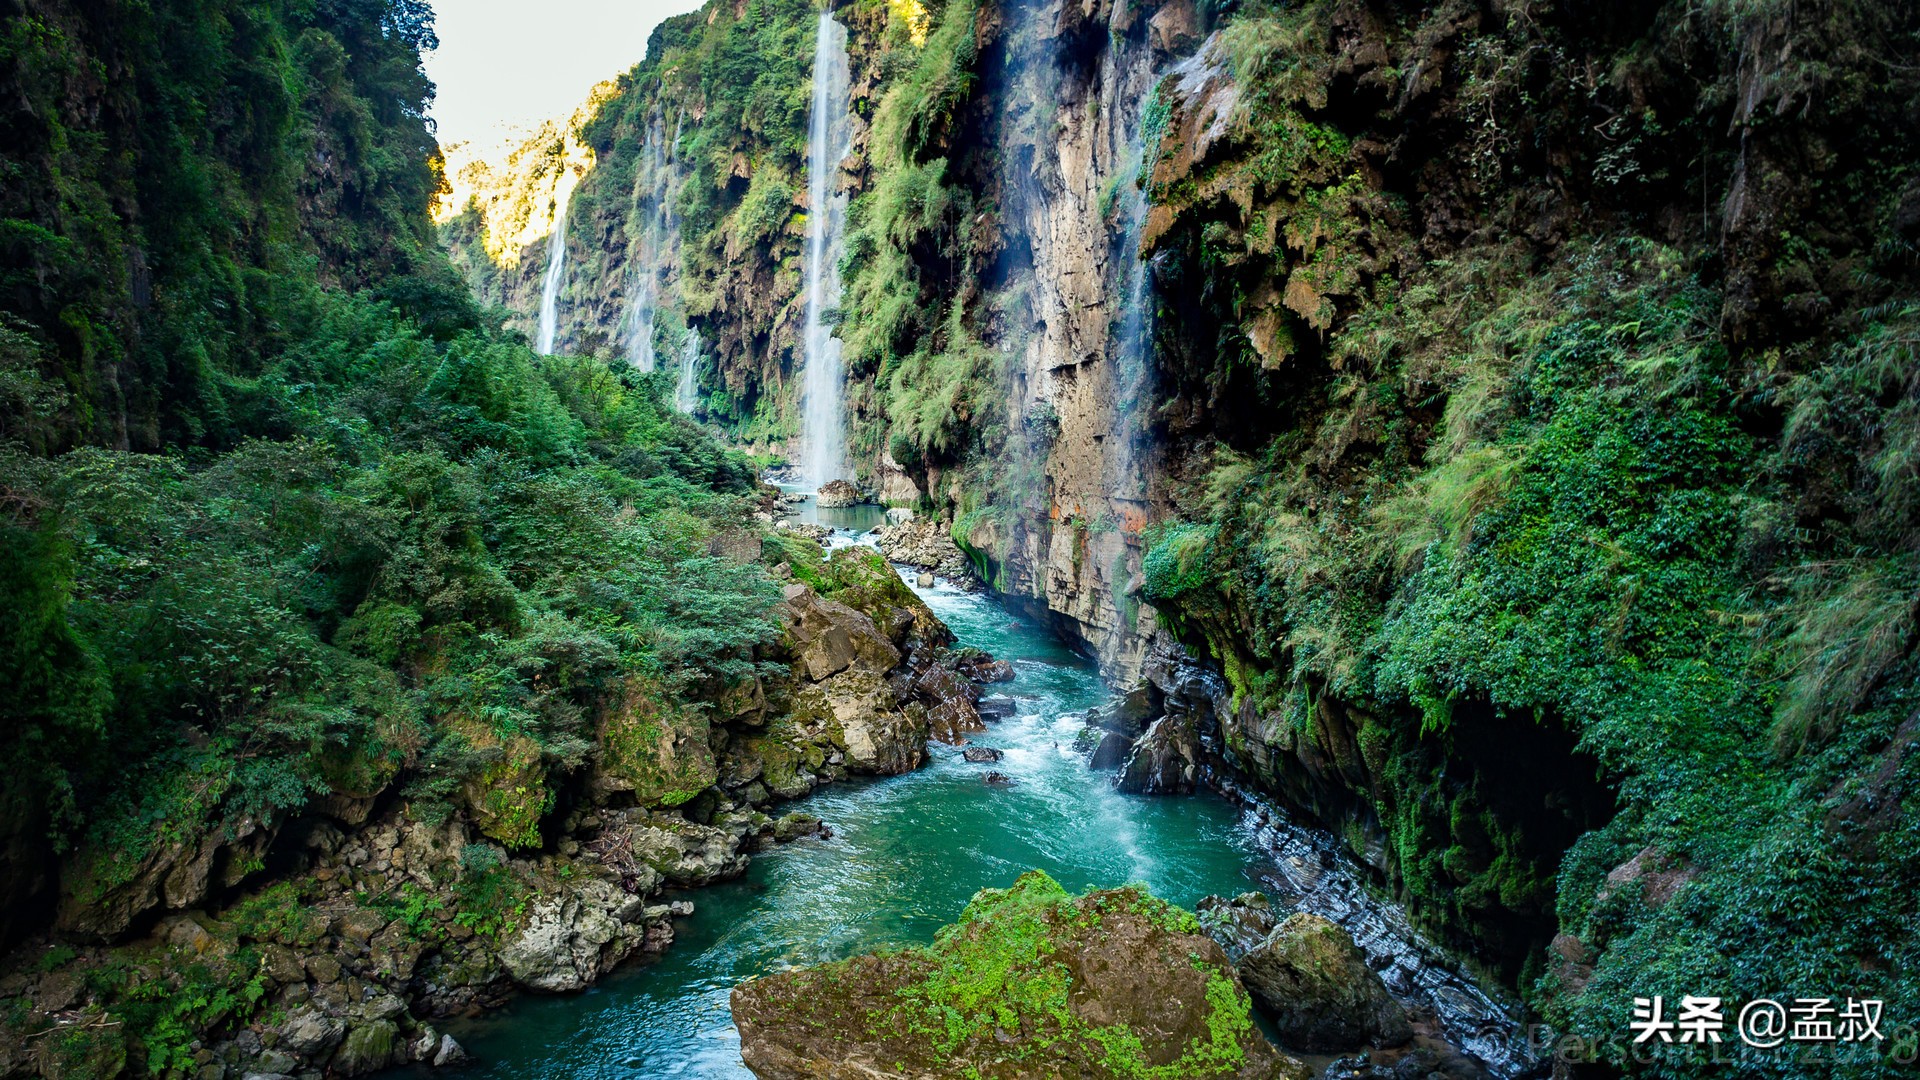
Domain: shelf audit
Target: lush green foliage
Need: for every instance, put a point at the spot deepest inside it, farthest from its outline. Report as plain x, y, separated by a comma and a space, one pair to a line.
174, 172
384, 543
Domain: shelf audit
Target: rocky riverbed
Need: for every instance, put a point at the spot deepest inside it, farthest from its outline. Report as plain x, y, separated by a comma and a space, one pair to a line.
340, 942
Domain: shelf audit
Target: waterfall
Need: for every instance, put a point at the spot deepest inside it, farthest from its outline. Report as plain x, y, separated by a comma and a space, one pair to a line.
556, 259
686, 392
647, 258
823, 420
1133, 348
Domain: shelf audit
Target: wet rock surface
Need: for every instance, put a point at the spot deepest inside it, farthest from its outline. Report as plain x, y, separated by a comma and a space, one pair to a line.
1102, 985
1165, 761
1239, 925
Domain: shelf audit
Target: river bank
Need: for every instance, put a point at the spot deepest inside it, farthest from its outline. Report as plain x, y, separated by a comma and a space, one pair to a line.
907, 852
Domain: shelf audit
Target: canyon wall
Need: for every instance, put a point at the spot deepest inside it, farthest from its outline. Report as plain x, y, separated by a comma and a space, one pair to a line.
1510, 404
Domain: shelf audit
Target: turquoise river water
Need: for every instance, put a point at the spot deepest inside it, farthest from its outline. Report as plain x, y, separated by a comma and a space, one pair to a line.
907, 852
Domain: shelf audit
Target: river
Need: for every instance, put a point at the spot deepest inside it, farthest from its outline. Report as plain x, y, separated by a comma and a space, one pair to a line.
906, 854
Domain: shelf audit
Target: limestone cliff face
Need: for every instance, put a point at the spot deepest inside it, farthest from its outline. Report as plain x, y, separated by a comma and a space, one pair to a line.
1070, 83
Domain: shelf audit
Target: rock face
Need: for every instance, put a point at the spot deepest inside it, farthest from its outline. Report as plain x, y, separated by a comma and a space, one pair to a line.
1164, 762
1239, 924
1031, 982
1314, 982
923, 544
573, 938
835, 494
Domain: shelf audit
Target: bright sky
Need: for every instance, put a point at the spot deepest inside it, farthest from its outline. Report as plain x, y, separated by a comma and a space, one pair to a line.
505, 65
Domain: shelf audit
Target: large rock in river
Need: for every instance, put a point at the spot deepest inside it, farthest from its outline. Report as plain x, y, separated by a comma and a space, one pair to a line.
1314, 982
835, 494
1031, 982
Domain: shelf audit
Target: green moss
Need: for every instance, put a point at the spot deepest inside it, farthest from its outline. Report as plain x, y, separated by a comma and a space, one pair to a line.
1000, 969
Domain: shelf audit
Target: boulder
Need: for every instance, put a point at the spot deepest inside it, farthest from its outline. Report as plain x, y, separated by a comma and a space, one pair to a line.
1111, 751
996, 707
835, 494
449, 1053
981, 667
949, 698
877, 734
1127, 714
997, 779
828, 637
796, 825
368, 1047
981, 754
573, 937
652, 747
1313, 981
1031, 982
1239, 924
1165, 761
679, 852
309, 1033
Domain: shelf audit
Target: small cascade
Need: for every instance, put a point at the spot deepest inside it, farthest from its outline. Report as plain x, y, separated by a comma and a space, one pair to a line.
648, 255
829, 140
556, 263
1132, 346
686, 391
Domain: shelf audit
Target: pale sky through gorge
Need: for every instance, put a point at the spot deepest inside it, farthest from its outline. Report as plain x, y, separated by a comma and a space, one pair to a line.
505, 65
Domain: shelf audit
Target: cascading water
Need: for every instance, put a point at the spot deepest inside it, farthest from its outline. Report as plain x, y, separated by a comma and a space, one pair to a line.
686, 392
647, 257
823, 420
1132, 347
556, 262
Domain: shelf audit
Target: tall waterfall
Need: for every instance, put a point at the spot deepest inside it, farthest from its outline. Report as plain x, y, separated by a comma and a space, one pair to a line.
1133, 347
556, 266
686, 392
829, 139
648, 257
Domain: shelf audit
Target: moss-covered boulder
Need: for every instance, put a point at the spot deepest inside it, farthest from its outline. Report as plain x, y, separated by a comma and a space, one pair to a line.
1315, 983
508, 797
1030, 982
650, 746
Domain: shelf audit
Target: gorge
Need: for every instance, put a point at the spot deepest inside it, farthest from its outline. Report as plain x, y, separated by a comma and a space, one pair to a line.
1450, 469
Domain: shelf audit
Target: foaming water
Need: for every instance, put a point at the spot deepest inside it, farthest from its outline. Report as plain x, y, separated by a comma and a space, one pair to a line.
829, 141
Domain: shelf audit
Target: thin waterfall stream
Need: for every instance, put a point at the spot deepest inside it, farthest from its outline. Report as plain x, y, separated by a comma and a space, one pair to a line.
829, 140
556, 262
649, 254
686, 389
